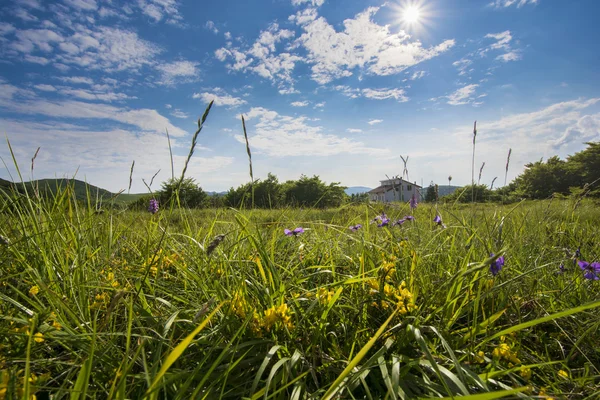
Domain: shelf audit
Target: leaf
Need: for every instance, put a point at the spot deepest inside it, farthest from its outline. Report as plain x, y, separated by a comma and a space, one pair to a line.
180, 348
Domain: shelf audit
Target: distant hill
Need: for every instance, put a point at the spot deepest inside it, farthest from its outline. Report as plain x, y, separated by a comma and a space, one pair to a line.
445, 190
356, 190
80, 188
216, 193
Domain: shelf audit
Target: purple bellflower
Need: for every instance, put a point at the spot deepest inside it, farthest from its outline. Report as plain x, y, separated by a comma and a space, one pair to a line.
591, 270
153, 206
438, 220
381, 220
413, 202
355, 227
496, 265
295, 232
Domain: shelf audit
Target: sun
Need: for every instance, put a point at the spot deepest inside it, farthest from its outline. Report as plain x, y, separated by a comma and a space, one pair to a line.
411, 15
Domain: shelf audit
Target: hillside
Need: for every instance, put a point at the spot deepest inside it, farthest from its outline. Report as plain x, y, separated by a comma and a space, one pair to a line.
81, 189
356, 190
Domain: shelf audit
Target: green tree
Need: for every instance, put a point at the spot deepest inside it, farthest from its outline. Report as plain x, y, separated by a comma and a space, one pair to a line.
541, 179
189, 193
584, 168
430, 193
312, 192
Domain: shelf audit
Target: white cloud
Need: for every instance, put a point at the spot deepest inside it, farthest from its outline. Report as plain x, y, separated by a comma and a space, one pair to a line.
178, 72
417, 75
510, 56
23, 14
508, 3
220, 97
320, 105
86, 5
373, 93
316, 3
45, 88
299, 103
6, 28
227, 35
160, 9
382, 94
462, 65
179, 114
261, 57
98, 95
76, 80
464, 95
36, 59
354, 130
106, 48
280, 136
374, 121
168, 106
363, 44
502, 42
144, 119
35, 4
103, 156
210, 25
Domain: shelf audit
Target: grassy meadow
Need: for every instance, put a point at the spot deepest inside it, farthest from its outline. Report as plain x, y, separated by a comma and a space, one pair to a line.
129, 305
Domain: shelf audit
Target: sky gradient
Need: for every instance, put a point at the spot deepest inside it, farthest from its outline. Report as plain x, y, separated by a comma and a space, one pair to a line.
335, 88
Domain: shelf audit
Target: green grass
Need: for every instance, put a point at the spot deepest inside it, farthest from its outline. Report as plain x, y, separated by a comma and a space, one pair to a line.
127, 305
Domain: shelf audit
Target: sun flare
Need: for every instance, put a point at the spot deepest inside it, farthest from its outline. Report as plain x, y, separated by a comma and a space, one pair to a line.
412, 15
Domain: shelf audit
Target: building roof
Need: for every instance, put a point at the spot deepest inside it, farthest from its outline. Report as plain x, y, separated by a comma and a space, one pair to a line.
381, 189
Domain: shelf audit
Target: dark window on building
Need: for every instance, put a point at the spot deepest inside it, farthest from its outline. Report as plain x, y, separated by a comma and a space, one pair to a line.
408, 187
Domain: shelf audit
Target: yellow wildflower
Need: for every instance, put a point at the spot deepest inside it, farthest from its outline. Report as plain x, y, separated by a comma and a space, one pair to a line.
480, 357
325, 295
34, 290
526, 373
38, 337
563, 374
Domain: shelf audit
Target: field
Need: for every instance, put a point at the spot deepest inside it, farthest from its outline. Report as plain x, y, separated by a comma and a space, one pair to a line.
127, 305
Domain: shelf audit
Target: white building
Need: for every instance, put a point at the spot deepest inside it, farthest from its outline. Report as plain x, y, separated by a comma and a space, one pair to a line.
396, 189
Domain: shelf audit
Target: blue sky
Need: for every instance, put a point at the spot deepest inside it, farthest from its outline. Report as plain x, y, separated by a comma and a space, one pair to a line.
336, 88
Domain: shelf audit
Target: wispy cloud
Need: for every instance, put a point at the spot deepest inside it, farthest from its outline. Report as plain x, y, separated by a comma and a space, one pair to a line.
464, 95
280, 136
210, 25
178, 72
299, 103
373, 93
508, 3
179, 114
19, 101
220, 97
374, 121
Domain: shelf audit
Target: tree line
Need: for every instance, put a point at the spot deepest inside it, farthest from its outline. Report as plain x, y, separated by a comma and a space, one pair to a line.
579, 174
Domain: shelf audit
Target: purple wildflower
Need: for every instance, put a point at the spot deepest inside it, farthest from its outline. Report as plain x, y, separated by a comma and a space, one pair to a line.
591, 270
384, 222
496, 265
413, 202
381, 220
153, 206
409, 218
355, 227
399, 222
561, 268
295, 232
438, 220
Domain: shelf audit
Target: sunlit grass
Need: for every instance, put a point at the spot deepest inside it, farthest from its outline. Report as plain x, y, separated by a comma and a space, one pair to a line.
127, 304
